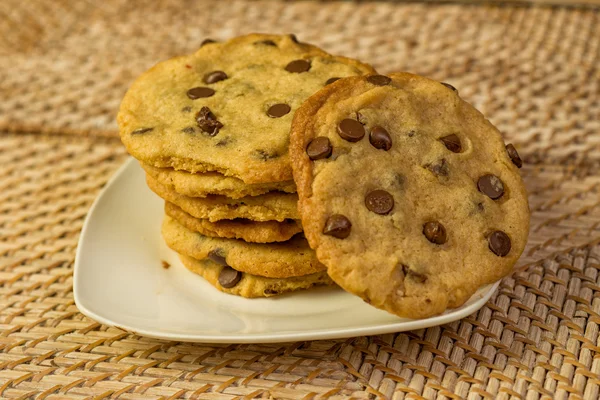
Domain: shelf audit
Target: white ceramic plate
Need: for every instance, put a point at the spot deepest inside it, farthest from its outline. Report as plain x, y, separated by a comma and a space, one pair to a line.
120, 281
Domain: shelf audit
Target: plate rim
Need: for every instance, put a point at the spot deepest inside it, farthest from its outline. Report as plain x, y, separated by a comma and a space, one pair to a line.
277, 337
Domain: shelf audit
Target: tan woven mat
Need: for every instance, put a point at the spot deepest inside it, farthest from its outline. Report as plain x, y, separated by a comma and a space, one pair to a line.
534, 71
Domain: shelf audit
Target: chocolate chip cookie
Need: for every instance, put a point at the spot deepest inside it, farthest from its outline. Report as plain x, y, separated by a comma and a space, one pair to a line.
244, 229
273, 206
204, 184
273, 260
228, 280
409, 196
227, 107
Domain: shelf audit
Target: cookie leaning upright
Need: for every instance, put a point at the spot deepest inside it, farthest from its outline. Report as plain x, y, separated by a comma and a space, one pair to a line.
407, 193
228, 107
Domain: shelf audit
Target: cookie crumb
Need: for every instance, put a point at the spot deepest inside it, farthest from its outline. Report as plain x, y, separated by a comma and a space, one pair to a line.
165, 264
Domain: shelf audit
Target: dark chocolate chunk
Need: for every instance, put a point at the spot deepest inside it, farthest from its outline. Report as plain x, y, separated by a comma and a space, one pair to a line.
361, 118
435, 232
449, 86
351, 130
379, 201
214, 76
331, 80
208, 122
337, 226
264, 154
339, 151
298, 66
278, 110
229, 277
318, 148
499, 243
379, 80
223, 142
141, 131
207, 41
452, 143
514, 156
200, 92
380, 138
440, 168
218, 256
491, 186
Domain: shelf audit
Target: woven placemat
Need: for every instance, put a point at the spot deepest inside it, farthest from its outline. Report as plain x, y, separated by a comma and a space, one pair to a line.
534, 71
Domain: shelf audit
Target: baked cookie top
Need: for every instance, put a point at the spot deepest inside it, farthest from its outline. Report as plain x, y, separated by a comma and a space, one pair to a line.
407, 193
227, 107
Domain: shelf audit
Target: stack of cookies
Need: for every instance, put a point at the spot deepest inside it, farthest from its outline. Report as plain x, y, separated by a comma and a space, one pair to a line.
283, 167
211, 130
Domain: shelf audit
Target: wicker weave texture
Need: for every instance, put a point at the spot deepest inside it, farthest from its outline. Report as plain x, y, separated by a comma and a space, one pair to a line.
537, 336
534, 71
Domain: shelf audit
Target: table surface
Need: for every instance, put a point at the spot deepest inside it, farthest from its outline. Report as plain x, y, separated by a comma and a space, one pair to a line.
533, 70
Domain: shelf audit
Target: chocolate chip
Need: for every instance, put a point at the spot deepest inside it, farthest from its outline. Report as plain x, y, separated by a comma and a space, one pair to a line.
413, 275
188, 129
215, 76
491, 186
440, 168
186, 109
380, 138
435, 232
200, 92
379, 201
399, 180
141, 130
331, 80
361, 118
351, 130
218, 256
298, 66
229, 277
223, 142
337, 226
278, 110
452, 143
379, 80
207, 41
318, 148
514, 156
339, 151
449, 86
208, 122
499, 243
266, 43
264, 154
